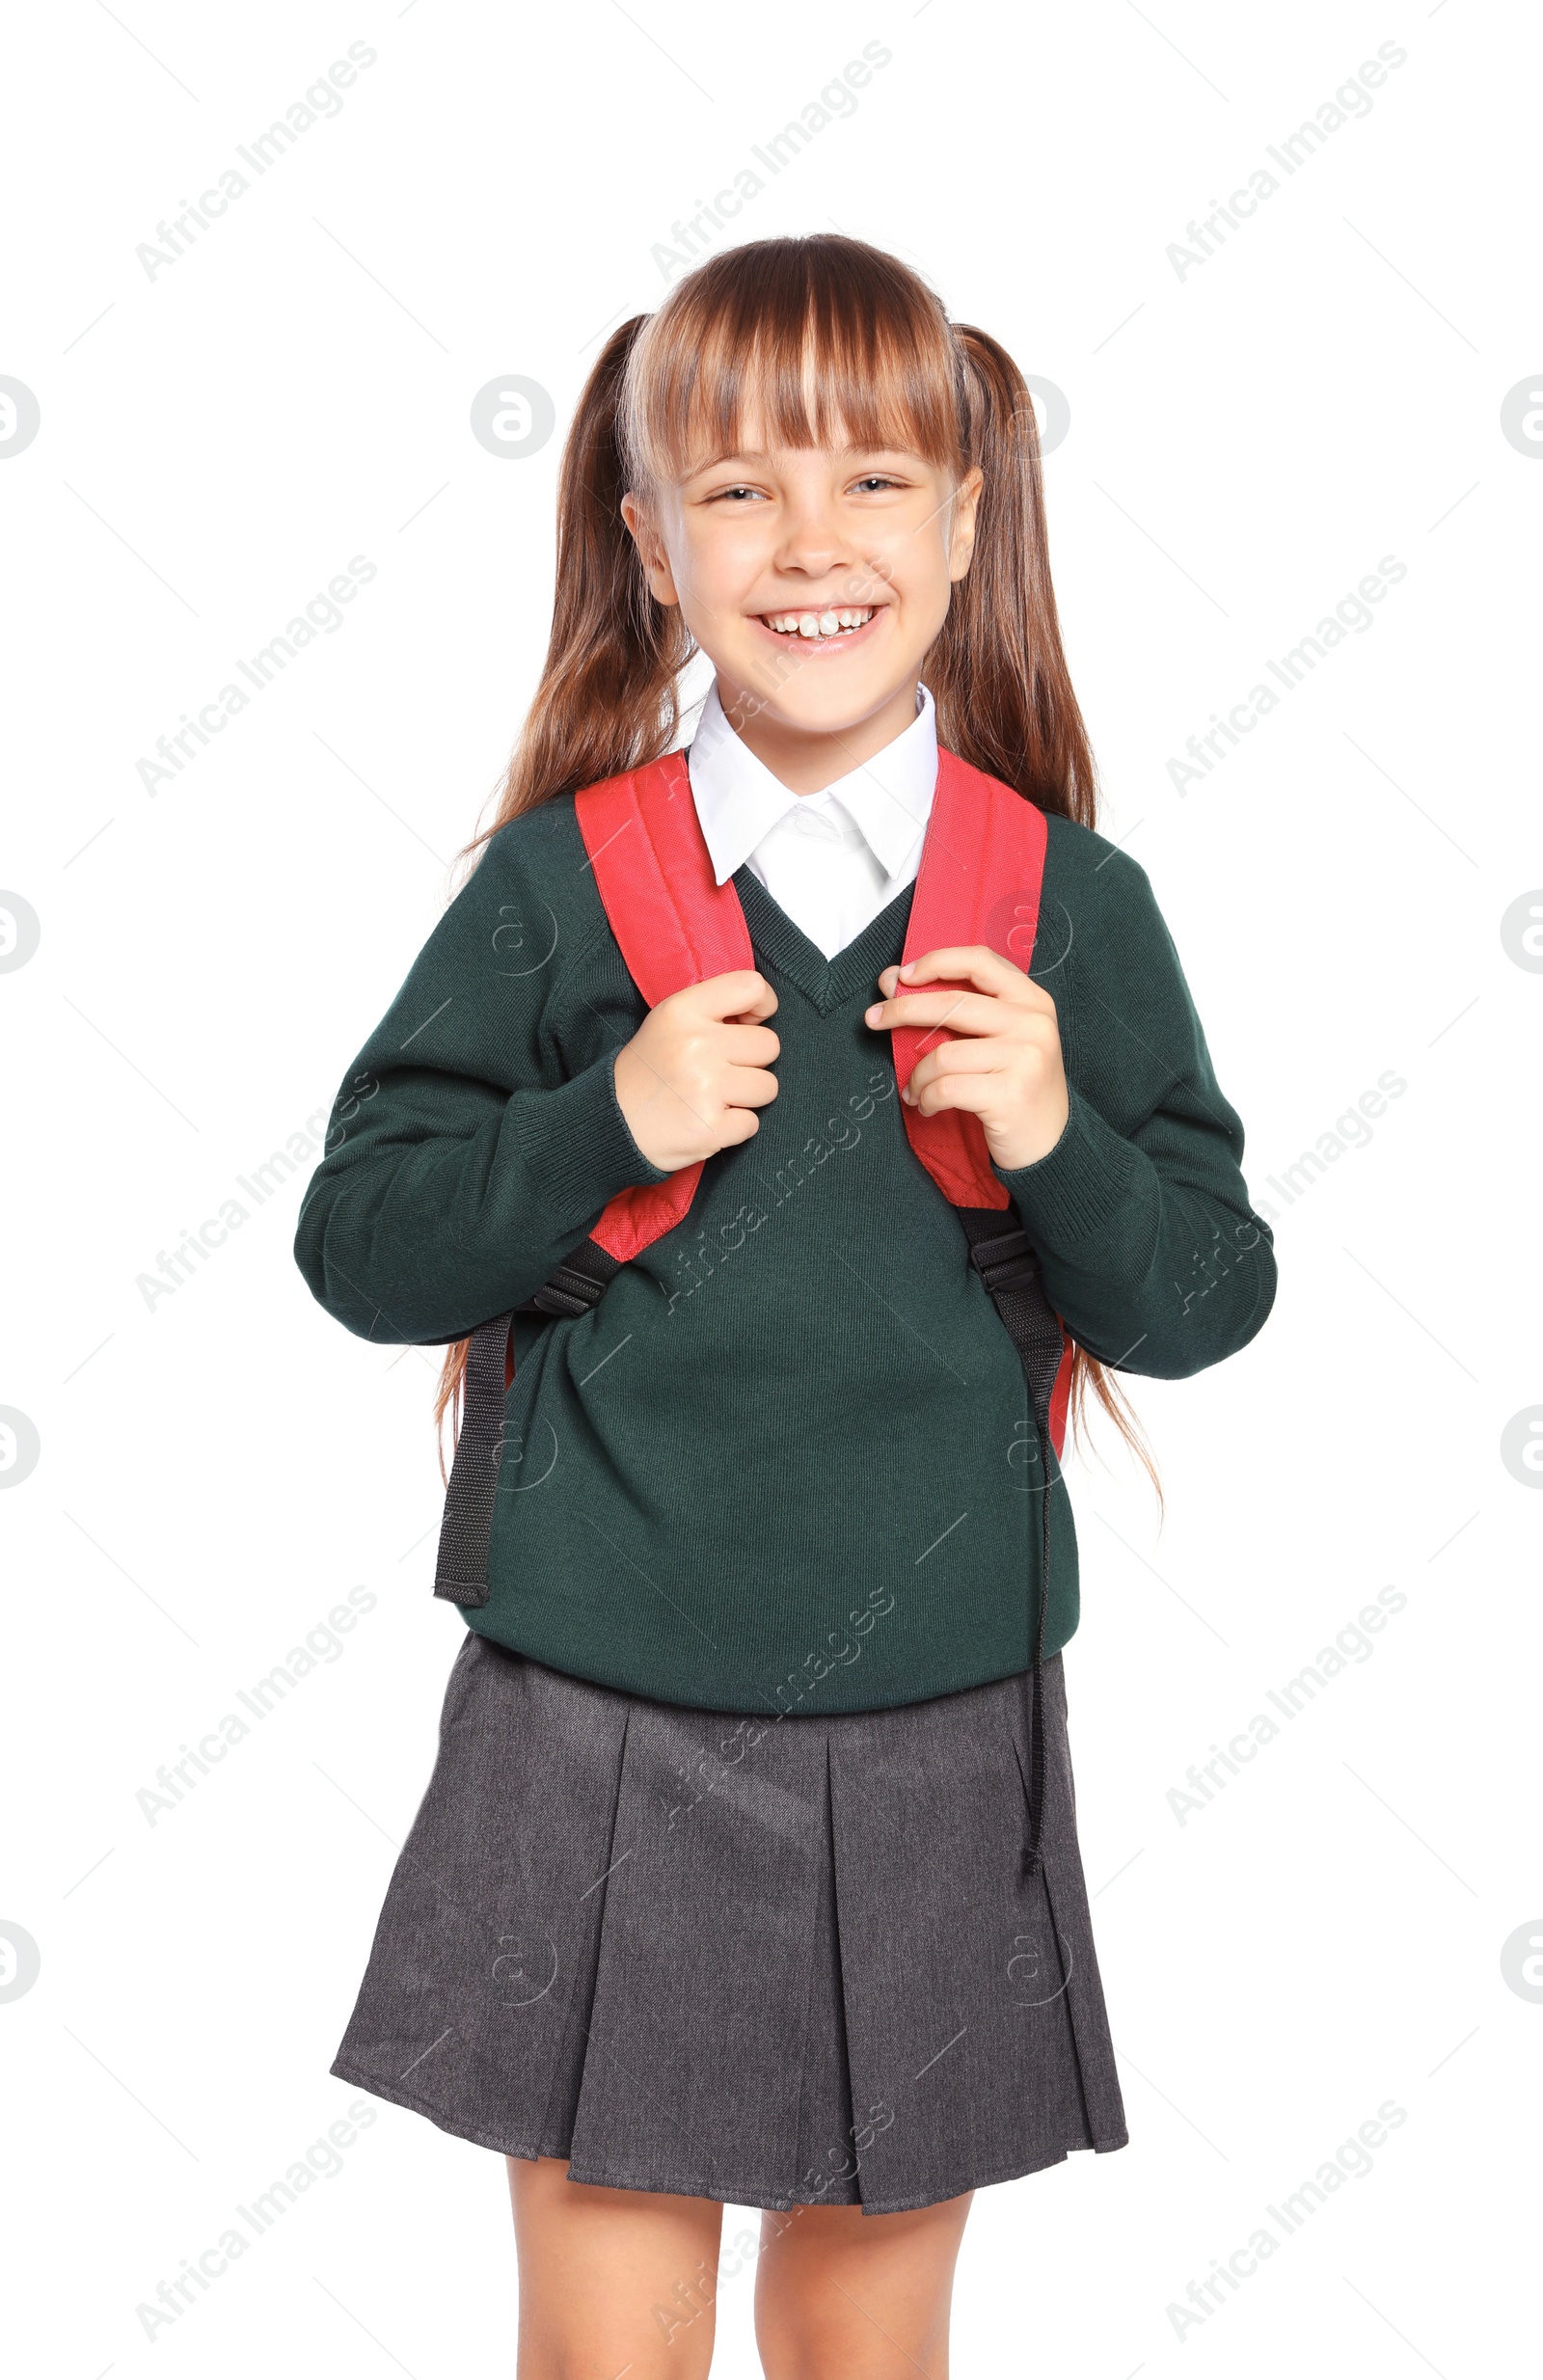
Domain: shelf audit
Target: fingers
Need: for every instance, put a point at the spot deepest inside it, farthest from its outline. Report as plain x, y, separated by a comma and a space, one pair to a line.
974, 1094
750, 1044
961, 1012
746, 1086
742, 994
971, 962
989, 976
969, 987
992, 1056
1020, 1067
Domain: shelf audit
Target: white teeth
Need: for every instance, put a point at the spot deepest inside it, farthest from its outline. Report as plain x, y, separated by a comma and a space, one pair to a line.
814, 624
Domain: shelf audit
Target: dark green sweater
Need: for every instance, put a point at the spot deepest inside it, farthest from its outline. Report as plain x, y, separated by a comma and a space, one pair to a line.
788, 1461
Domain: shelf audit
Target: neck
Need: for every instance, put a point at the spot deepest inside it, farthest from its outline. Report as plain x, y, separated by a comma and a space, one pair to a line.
804, 759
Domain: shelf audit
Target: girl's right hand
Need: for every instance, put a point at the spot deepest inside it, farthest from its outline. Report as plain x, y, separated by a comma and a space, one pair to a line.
690, 1077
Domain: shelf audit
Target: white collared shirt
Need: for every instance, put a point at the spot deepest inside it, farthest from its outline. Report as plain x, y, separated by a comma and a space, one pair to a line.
833, 860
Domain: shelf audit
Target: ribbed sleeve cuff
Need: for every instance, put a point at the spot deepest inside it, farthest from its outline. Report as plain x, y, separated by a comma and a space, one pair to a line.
577, 1147
1092, 1184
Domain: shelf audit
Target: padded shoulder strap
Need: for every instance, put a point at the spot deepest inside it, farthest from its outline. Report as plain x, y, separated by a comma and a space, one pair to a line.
981, 868
674, 924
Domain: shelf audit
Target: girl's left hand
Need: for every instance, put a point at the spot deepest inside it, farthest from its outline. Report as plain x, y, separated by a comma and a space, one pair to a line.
1006, 1069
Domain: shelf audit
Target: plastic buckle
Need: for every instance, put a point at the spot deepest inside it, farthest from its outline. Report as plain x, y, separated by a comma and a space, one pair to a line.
1004, 1262
568, 1294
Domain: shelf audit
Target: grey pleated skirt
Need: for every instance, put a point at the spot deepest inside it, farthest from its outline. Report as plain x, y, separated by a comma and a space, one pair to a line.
776, 1962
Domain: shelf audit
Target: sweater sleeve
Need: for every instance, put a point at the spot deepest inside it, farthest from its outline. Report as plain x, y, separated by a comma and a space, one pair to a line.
1152, 1254
477, 1135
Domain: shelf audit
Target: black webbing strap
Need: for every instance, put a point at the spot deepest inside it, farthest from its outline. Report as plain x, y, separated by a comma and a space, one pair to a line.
461, 1569
1006, 1264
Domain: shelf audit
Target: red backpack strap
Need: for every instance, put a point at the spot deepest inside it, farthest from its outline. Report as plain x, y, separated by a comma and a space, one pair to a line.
983, 864
980, 881
675, 925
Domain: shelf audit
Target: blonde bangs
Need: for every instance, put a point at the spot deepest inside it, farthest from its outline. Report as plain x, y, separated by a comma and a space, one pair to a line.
824, 342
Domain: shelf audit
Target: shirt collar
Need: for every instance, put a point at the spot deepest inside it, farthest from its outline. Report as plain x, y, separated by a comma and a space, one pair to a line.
737, 800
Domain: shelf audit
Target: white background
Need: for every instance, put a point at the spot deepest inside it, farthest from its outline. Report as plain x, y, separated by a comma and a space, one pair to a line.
1247, 440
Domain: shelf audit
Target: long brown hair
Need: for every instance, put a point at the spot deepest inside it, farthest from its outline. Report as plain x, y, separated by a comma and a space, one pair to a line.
826, 336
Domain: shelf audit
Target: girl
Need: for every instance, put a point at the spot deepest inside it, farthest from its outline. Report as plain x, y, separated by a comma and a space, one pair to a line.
748, 1871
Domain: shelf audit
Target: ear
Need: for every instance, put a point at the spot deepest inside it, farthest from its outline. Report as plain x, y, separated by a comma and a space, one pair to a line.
962, 522
651, 549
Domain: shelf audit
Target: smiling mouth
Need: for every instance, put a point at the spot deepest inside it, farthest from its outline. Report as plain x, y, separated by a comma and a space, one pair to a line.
840, 620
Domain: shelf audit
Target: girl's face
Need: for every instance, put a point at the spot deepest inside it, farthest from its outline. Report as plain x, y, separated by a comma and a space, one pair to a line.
814, 579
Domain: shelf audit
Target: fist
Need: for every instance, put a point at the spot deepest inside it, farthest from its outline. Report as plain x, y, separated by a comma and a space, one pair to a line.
691, 1077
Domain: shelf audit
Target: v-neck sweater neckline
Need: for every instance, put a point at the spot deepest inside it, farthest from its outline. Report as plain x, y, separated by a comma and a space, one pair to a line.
827, 984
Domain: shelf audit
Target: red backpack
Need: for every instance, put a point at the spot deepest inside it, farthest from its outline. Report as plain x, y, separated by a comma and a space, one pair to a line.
982, 864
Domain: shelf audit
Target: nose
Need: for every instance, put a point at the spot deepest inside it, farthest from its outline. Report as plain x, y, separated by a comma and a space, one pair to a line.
812, 545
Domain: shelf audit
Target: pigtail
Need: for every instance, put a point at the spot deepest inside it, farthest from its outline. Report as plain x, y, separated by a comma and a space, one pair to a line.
608, 698
997, 671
